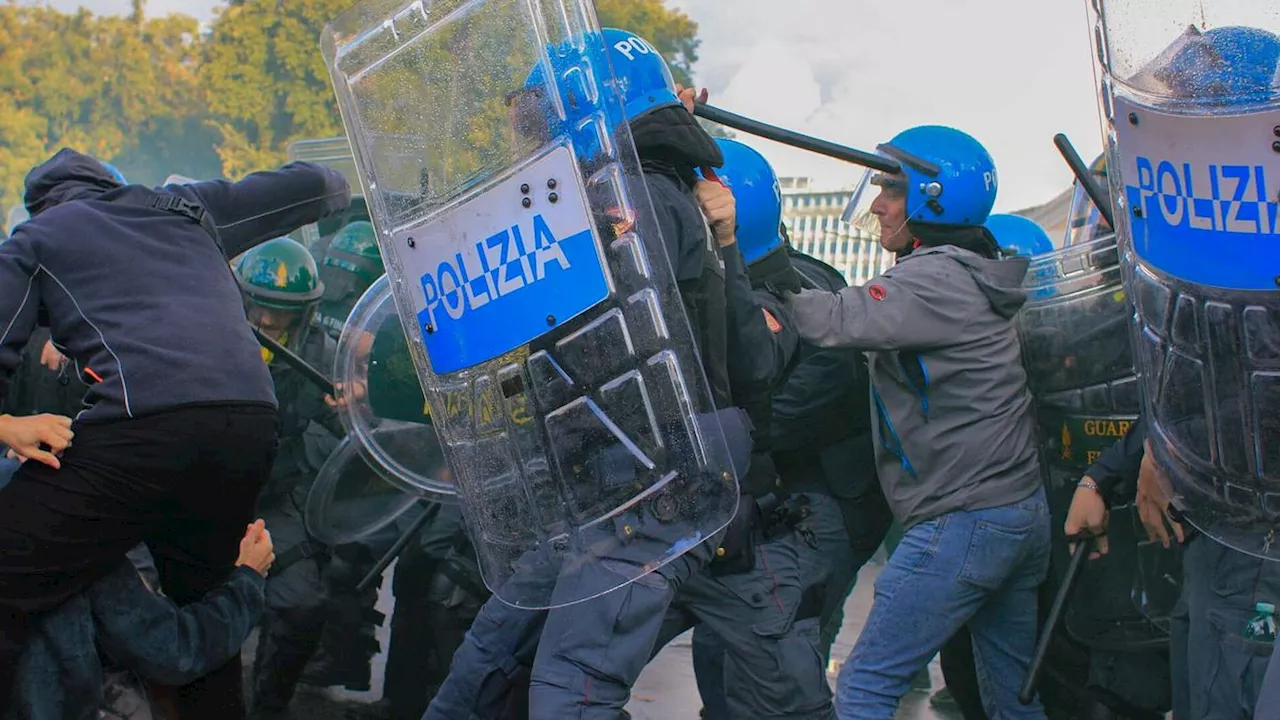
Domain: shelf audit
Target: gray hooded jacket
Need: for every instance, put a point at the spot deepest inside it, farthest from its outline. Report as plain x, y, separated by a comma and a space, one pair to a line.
954, 429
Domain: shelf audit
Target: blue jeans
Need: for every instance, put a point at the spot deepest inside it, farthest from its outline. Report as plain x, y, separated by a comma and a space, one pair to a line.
980, 568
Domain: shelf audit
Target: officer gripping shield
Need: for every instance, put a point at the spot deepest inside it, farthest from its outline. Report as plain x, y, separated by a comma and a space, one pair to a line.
524, 261
1193, 121
1076, 347
380, 399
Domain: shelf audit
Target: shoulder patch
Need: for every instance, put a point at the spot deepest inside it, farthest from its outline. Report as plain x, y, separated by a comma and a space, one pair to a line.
877, 292
771, 321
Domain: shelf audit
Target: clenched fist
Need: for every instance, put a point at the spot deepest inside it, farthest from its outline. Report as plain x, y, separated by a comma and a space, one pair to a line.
689, 96
720, 210
256, 548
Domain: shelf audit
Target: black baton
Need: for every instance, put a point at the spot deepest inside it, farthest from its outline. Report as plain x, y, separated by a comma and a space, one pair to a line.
1083, 545
1101, 200
795, 139
297, 363
427, 516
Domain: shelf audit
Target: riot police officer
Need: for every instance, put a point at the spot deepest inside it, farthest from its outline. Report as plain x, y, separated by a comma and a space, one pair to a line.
281, 289
569, 674
1111, 654
1206, 330
351, 263
957, 456
819, 439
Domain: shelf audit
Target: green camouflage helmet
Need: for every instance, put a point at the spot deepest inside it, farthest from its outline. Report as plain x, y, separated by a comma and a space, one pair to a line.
357, 238
280, 274
355, 249
351, 264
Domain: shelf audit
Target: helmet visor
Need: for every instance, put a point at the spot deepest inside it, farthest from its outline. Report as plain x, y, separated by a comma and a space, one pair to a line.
858, 215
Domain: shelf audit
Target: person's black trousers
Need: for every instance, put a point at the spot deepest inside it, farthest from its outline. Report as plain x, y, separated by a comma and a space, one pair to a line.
184, 481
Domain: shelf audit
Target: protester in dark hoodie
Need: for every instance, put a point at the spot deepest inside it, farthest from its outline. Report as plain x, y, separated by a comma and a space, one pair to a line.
178, 433
119, 618
956, 442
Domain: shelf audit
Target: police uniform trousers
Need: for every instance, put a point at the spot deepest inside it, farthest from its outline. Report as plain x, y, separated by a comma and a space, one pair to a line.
591, 654
296, 601
824, 559
586, 657
1217, 670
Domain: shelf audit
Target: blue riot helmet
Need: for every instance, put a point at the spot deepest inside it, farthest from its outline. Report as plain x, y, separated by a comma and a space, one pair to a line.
115, 172
644, 80
566, 102
1018, 235
1225, 64
948, 179
759, 198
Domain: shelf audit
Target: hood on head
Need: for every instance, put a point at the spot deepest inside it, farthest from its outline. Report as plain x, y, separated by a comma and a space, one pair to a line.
67, 176
999, 280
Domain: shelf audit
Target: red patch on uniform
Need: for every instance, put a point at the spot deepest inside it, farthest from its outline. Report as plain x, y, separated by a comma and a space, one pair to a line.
877, 292
771, 321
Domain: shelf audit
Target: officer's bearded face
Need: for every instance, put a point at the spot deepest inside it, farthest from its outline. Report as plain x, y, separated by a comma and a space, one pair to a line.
890, 208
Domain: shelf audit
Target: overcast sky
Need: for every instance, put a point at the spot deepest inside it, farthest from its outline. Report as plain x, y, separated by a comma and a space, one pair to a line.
1010, 72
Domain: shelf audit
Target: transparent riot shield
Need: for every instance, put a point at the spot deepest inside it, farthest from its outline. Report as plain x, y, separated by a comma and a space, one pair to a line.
1192, 115
333, 153
352, 499
380, 399
531, 282
1075, 334
1084, 222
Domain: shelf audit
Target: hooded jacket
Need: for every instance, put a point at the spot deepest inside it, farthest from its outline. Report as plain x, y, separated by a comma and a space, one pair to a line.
953, 419
60, 675
139, 297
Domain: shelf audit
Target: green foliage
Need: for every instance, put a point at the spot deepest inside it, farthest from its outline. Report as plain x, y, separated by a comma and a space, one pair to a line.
122, 89
154, 96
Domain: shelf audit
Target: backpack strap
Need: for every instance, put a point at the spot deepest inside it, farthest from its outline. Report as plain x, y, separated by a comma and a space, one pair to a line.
191, 211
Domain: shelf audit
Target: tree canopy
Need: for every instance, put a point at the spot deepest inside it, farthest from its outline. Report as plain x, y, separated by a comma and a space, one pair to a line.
156, 95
